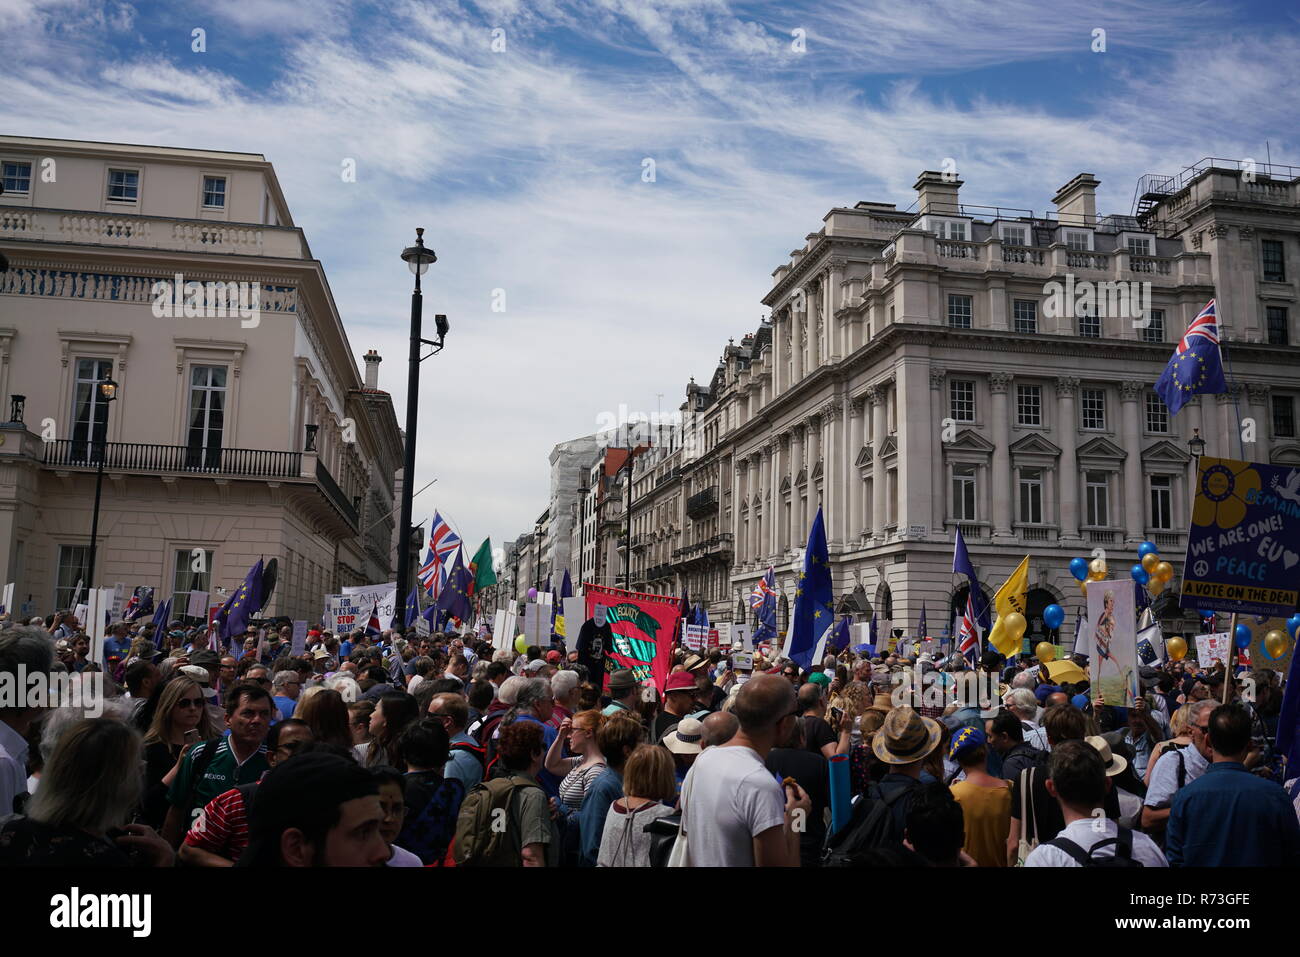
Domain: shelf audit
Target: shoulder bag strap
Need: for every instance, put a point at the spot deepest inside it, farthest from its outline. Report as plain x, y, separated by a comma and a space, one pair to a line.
1083, 858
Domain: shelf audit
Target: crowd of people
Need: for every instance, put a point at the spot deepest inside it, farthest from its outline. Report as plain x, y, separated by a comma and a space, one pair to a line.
443, 750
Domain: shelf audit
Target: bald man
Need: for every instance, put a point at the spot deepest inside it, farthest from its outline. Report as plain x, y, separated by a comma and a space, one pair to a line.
734, 812
719, 728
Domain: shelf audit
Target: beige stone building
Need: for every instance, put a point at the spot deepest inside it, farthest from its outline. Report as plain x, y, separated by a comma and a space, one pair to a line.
923, 370
236, 433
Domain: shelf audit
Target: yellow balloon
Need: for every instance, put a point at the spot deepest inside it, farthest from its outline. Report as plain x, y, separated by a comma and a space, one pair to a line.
1045, 651
1097, 569
521, 644
1164, 571
1014, 624
1150, 561
1155, 585
1275, 643
1175, 648
1083, 589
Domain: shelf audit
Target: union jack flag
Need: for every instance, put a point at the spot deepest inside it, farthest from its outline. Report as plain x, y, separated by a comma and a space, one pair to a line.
428, 573
763, 600
761, 591
968, 637
1205, 324
442, 539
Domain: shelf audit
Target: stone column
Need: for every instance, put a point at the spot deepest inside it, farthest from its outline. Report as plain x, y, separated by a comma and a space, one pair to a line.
1001, 491
1067, 387
876, 397
796, 464
1131, 435
814, 456
1261, 410
778, 355
834, 474
736, 525
764, 507
938, 377
840, 346
853, 475
780, 463
751, 540
915, 437
798, 316
814, 299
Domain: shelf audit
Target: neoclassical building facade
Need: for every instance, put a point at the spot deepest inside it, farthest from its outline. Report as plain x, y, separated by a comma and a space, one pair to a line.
957, 366
232, 437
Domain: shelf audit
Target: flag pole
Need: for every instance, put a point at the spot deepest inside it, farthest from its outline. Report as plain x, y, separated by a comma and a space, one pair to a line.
1227, 665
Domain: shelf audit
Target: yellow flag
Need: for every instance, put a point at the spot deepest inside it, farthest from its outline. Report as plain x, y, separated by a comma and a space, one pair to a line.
1010, 597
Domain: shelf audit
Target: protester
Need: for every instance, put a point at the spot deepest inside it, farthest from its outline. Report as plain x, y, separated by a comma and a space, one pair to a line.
1177, 769
339, 827
180, 721
935, 829
1077, 779
432, 798
393, 806
220, 832
393, 712
580, 771
530, 837
809, 769
286, 685
648, 792
327, 715
718, 728
214, 766
1228, 817
468, 760
616, 738
80, 815
678, 702
985, 800
23, 651
624, 693
734, 813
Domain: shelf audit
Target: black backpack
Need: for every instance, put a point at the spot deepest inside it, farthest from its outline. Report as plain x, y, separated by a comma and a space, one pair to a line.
873, 824
1123, 856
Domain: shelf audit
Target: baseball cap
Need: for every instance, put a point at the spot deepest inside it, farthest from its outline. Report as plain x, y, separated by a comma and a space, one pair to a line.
535, 666
553, 657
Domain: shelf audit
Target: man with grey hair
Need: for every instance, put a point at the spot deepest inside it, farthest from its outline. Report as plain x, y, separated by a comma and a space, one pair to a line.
1024, 705
534, 702
564, 689
24, 651
285, 686
1176, 768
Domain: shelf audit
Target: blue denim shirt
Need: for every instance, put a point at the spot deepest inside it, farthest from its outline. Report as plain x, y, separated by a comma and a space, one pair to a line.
605, 790
1229, 817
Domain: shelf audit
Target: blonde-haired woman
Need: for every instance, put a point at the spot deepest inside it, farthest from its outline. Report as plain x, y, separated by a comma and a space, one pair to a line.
578, 772
79, 816
180, 721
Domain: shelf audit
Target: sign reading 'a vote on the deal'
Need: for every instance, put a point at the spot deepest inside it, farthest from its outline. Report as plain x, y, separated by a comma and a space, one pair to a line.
1243, 549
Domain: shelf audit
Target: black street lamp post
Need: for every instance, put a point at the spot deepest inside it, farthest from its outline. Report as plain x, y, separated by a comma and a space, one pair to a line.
418, 258
108, 389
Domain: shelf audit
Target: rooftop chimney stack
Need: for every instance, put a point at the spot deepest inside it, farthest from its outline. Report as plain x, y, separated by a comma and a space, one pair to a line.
372, 369
937, 193
1076, 201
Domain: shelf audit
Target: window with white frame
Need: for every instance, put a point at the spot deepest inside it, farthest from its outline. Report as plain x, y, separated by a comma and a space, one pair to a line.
1029, 405
207, 416
961, 400
1139, 246
214, 192
1087, 321
1078, 240
16, 176
74, 565
1154, 330
953, 229
1031, 496
89, 407
1013, 235
123, 185
1157, 414
959, 311
1097, 498
193, 573
1024, 313
1162, 501
963, 493
1092, 408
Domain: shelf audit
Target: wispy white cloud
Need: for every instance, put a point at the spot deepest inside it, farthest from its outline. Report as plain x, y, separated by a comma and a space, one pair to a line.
526, 167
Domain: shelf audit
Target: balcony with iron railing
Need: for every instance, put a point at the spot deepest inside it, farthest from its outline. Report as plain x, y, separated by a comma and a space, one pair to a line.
703, 503
720, 544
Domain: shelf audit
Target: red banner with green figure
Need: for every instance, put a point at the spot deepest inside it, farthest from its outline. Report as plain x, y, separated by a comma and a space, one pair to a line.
643, 630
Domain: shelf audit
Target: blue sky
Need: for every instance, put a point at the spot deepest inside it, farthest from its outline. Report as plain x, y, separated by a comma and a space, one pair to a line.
524, 165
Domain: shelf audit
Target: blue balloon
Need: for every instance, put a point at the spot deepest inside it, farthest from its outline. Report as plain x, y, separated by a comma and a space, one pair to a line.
1054, 615
1079, 568
1293, 625
1140, 574
1206, 612
1147, 548
1243, 636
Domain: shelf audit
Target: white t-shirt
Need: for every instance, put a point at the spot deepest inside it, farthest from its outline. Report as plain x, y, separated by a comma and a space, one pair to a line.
1087, 832
1164, 779
730, 797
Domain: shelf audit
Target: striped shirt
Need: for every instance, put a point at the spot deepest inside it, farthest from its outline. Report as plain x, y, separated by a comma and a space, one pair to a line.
222, 826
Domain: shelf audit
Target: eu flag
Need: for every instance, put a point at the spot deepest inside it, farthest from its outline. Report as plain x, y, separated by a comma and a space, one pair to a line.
454, 599
1196, 367
412, 609
961, 566
240, 606
813, 616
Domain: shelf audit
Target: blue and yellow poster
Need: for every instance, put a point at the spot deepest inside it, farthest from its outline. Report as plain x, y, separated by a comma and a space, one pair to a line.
1243, 549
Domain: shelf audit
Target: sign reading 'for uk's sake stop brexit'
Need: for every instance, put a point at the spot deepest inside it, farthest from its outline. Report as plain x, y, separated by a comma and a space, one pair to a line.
1243, 549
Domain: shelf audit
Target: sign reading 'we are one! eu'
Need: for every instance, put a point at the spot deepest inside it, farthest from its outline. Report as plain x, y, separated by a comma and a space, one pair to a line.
1243, 548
